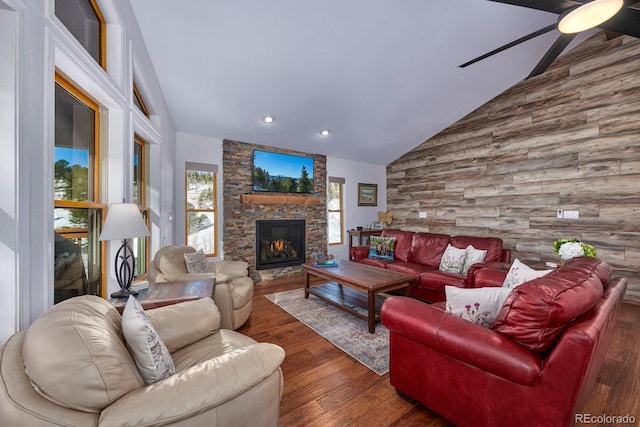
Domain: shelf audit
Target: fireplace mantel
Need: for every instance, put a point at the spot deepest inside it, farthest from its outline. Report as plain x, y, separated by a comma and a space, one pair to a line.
280, 199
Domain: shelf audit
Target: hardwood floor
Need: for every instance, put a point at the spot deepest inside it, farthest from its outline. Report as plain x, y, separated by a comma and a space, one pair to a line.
323, 386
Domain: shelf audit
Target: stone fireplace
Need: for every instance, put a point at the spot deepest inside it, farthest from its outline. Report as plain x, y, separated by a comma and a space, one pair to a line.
279, 243
243, 209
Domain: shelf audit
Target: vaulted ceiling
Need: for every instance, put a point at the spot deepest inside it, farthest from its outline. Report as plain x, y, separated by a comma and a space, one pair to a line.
381, 75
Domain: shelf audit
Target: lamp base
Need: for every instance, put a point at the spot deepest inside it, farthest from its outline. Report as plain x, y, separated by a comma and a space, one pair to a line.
124, 293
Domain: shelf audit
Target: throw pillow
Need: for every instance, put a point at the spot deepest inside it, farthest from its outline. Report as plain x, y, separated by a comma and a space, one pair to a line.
381, 247
477, 305
197, 262
473, 256
149, 352
453, 259
520, 273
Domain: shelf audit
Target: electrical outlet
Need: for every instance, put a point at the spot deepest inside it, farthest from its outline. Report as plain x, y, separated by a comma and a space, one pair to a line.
422, 215
560, 214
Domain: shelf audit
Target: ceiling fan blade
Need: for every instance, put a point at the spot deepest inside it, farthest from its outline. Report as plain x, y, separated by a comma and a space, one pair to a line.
553, 6
627, 21
554, 51
509, 45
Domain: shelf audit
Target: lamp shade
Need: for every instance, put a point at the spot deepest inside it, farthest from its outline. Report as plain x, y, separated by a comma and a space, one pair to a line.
589, 15
124, 221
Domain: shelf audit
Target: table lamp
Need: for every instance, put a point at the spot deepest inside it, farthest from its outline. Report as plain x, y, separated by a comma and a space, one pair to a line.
124, 221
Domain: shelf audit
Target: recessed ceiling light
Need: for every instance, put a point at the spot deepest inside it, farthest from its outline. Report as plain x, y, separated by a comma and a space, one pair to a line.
269, 119
325, 132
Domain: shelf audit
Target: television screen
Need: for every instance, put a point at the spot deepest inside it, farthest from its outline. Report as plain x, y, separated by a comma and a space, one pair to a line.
282, 173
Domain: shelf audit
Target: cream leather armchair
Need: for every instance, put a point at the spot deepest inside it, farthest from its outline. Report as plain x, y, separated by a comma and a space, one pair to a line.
233, 292
72, 368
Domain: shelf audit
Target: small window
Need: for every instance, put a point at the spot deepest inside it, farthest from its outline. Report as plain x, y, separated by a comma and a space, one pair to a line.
139, 102
84, 20
335, 211
200, 211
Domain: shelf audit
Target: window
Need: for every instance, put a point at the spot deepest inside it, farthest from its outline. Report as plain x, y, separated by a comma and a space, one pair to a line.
200, 191
336, 211
139, 102
141, 245
84, 20
77, 215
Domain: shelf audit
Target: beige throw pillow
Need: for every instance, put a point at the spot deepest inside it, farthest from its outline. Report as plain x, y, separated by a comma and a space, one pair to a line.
473, 256
520, 273
477, 305
453, 260
149, 352
197, 262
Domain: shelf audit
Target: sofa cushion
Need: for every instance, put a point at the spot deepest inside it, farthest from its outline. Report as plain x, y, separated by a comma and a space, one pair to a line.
473, 256
537, 312
381, 247
402, 244
453, 260
493, 245
519, 273
376, 262
196, 262
74, 355
149, 352
407, 268
428, 248
436, 279
476, 305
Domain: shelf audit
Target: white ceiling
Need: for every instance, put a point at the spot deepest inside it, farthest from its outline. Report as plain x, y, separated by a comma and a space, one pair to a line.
382, 75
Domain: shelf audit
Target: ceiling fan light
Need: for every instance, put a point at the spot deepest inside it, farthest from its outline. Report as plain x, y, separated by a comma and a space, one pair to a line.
589, 15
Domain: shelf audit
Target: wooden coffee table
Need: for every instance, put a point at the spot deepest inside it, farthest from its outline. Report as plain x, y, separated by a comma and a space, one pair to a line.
360, 277
167, 293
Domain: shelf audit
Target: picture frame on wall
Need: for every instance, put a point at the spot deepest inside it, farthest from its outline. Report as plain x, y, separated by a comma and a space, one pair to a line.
367, 194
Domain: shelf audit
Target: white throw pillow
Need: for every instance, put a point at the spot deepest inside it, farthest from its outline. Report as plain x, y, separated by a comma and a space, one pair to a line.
473, 256
520, 273
197, 262
149, 352
453, 259
477, 305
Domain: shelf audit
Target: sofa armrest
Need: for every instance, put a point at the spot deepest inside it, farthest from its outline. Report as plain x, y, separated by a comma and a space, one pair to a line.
506, 256
197, 389
472, 277
459, 339
359, 252
182, 324
232, 269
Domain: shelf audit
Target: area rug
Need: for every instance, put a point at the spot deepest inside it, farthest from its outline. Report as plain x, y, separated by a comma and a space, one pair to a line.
344, 330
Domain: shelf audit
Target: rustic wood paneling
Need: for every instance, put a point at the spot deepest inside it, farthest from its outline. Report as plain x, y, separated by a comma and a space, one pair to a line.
569, 139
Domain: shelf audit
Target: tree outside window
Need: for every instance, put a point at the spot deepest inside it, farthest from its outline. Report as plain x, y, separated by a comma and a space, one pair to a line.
335, 211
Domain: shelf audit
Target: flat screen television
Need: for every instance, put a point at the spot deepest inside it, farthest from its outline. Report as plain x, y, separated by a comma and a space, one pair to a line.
282, 173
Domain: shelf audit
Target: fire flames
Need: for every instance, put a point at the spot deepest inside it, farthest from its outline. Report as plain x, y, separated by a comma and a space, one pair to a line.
277, 245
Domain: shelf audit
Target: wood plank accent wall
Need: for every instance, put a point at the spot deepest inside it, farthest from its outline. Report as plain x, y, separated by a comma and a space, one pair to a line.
568, 139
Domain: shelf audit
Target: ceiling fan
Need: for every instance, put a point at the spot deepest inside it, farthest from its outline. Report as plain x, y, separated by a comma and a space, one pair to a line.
626, 20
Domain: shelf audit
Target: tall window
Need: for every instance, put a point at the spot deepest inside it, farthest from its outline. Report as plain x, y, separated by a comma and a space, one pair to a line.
335, 211
200, 207
78, 215
84, 20
141, 245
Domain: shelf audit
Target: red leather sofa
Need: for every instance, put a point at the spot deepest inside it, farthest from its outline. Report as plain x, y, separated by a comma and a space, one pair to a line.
536, 366
420, 254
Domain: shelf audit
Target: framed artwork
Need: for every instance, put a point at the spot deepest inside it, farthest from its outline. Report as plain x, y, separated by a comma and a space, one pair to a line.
367, 194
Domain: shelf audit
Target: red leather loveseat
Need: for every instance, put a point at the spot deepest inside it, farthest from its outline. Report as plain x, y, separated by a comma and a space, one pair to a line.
419, 254
535, 366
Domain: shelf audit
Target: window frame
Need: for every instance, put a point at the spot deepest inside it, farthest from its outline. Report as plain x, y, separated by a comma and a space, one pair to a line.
138, 141
96, 175
340, 182
202, 167
102, 34
141, 105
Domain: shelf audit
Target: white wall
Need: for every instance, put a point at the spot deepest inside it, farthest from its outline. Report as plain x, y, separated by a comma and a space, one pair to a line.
33, 46
199, 149
357, 172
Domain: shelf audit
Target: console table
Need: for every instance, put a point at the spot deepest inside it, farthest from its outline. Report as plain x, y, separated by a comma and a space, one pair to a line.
167, 293
360, 234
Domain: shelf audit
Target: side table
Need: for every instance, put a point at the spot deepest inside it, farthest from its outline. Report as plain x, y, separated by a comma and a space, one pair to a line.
167, 293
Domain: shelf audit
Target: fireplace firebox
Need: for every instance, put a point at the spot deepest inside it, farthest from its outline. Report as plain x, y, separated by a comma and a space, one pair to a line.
280, 243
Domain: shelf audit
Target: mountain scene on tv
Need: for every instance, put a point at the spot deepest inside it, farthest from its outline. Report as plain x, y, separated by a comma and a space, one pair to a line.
282, 173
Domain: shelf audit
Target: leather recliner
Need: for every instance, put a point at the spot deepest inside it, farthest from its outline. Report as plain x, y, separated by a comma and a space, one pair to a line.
72, 368
233, 292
